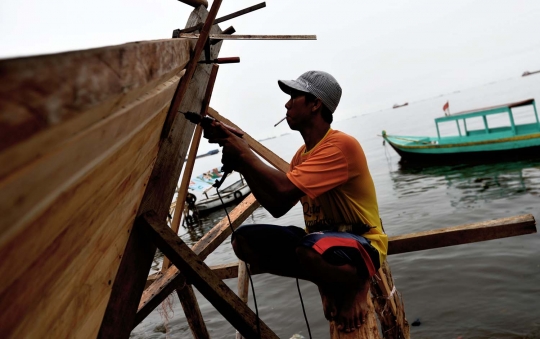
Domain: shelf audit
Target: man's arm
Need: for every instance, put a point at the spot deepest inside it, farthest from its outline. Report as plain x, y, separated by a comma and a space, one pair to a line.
270, 186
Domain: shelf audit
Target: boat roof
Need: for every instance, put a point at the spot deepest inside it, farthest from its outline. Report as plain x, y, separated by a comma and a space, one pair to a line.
459, 115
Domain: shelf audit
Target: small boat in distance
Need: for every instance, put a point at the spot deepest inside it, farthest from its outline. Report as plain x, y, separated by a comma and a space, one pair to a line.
529, 73
233, 193
397, 106
480, 142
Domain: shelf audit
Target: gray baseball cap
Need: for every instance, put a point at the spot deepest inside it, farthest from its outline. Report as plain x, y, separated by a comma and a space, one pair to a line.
321, 84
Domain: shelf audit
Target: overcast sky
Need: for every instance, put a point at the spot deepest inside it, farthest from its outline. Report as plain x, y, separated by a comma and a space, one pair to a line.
381, 52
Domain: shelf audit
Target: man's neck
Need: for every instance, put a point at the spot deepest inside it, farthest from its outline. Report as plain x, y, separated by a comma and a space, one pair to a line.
314, 134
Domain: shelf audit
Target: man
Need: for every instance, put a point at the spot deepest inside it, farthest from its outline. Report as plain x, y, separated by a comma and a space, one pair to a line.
343, 243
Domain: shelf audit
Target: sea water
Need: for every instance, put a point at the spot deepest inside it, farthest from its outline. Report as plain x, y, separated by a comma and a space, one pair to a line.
481, 290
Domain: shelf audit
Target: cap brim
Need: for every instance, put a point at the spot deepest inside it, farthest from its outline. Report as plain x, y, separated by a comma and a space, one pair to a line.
287, 85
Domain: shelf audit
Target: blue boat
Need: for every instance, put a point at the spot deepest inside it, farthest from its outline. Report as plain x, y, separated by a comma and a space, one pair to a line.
480, 136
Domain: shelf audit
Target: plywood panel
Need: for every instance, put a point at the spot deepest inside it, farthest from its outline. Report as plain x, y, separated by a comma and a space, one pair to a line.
56, 208
52, 97
44, 289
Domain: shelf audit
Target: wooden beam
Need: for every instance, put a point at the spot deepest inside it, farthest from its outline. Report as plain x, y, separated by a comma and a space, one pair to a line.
188, 168
195, 3
389, 305
168, 281
457, 235
225, 18
481, 231
192, 312
120, 315
256, 146
250, 37
190, 69
210, 286
243, 287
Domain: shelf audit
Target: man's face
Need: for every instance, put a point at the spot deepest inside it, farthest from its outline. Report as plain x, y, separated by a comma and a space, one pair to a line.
298, 110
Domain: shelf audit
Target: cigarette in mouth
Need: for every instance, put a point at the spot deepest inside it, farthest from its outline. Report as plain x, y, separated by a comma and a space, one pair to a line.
279, 122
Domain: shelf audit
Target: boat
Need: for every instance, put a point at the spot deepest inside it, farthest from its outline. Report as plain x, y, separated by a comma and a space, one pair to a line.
480, 143
230, 194
527, 73
398, 106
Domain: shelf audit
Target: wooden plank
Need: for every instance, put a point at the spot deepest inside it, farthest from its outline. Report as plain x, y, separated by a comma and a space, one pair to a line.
192, 312
195, 3
47, 99
210, 286
68, 264
166, 283
482, 231
256, 146
225, 18
119, 319
191, 68
188, 168
51, 194
465, 234
389, 305
243, 287
368, 330
250, 37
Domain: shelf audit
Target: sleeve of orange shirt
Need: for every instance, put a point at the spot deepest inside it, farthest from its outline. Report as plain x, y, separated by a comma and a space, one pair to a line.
321, 171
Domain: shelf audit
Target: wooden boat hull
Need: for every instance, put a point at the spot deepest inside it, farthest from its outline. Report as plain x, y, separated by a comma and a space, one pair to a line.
80, 134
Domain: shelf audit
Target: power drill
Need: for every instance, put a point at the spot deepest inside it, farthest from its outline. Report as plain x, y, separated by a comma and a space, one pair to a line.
206, 122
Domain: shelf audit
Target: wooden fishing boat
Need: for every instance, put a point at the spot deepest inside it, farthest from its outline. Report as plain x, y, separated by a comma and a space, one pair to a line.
233, 193
480, 143
398, 105
92, 144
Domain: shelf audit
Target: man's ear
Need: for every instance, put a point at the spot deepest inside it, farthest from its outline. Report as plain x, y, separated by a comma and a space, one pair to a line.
317, 104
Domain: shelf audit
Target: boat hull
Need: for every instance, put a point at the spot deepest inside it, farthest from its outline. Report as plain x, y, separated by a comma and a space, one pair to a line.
479, 152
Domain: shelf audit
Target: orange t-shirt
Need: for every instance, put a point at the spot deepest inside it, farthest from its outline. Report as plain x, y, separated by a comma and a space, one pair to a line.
340, 194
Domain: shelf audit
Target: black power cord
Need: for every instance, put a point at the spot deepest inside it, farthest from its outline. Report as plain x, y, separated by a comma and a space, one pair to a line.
247, 266
217, 185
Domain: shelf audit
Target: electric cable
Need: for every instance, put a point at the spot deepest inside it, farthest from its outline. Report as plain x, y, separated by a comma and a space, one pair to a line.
247, 266
251, 279
303, 308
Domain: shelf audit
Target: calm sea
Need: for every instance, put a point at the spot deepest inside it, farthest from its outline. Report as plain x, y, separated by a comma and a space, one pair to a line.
482, 290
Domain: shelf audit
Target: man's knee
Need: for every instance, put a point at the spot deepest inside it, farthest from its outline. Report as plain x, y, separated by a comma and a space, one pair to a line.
239, 245
306, 254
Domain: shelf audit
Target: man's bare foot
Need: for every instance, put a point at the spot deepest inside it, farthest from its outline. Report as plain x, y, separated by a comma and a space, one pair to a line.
329, 303
352, 308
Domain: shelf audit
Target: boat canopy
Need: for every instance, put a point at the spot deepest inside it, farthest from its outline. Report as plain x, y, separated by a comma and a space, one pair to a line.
483, 112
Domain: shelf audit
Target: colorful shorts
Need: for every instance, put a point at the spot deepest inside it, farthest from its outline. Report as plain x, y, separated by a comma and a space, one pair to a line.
279, 243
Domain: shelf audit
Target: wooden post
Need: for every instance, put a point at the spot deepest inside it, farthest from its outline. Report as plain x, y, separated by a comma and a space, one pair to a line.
192, 312
188, 169
368, 330
389, 305
120, 315
243, 286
